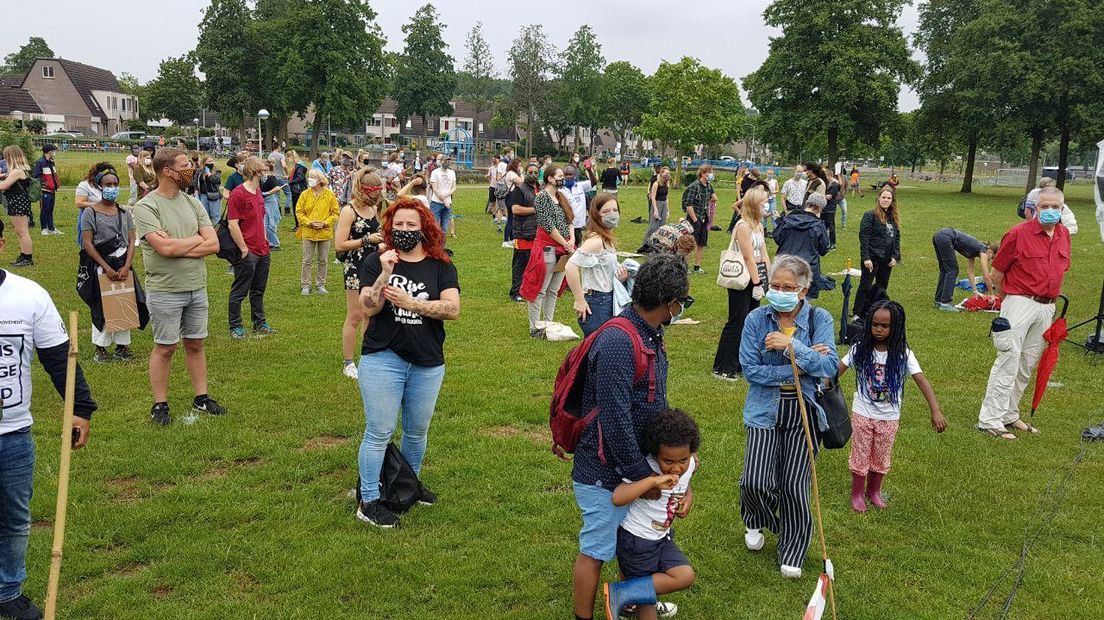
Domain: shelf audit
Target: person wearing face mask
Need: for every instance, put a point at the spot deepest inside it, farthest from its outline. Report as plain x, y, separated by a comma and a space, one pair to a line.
297, 182
271, 190
146, 175
357, 236
695, 202
774, 485
592, 268
657, 199
408, 292
235, 179
611, 176
542, 283
879, 247
132, 167
323, 164
626, 408
793, 190
576, 192
442, 185
209, 182
523, 225
177, 235
45, 170
245, 219
340, 175
512, 177
317, 211
1027, 272
107, 247
817, 181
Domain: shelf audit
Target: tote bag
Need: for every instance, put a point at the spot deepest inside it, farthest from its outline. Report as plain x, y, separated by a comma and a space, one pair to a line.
831, 400
733, 271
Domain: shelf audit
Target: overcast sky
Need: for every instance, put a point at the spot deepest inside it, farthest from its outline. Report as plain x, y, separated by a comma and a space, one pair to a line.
726, 34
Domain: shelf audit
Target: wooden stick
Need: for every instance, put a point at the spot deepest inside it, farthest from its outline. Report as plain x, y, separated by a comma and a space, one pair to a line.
63, 469
812, 468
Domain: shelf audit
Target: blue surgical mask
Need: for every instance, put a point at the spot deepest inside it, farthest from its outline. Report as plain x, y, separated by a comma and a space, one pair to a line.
110, 193
569, 183
1049, 217
710, 177
782, 301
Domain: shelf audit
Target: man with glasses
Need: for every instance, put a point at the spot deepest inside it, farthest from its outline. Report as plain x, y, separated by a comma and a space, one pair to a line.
178, 235
1027, 272
625, 408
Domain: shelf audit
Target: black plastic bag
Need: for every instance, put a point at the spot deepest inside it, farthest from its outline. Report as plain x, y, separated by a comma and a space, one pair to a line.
399, 485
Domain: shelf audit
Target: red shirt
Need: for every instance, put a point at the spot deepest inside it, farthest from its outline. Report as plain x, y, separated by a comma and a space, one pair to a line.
1033, 262
248, 209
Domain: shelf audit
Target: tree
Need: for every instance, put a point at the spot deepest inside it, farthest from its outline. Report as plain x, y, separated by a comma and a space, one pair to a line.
174, 94
530, 61
23, 59
580, 75
228, 61
799, 94
425, 81
476, 83
707, 109
622, 97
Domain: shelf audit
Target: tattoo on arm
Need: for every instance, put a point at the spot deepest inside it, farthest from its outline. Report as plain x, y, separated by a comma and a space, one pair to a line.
444, 310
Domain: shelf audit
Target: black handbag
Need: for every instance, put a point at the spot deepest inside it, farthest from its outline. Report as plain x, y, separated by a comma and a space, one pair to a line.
831, 400
400, 488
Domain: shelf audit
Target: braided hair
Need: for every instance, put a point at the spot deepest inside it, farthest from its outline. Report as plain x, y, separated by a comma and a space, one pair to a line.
896, 366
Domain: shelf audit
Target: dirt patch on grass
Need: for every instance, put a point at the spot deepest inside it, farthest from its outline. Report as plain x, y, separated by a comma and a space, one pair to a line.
245, 581
129, 570
323, 442
39, 524
532, 434
162, 592
223, 469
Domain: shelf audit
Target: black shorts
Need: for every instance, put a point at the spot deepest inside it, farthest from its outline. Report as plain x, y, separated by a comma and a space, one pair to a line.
639, 557
701, 231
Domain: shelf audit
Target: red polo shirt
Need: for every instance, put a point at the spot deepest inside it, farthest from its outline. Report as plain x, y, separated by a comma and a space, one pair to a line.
1033, 262
248, 209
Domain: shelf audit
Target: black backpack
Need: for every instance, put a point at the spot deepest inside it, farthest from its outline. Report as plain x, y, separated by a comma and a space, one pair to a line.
399, 485
1021, 210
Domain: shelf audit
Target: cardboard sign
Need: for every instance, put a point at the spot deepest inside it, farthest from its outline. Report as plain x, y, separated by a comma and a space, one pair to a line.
120, 305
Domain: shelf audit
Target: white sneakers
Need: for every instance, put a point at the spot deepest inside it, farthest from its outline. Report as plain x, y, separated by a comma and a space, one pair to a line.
509, 245
351, 372
305, 291
753, 539
791, 572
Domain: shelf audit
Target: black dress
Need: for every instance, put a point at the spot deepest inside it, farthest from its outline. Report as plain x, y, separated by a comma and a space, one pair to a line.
361, 228
19, 203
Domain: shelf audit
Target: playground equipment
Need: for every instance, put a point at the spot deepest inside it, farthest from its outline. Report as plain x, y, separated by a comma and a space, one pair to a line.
459, 145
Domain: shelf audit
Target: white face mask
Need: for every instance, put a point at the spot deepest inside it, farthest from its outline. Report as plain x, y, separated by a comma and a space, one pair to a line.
312, 182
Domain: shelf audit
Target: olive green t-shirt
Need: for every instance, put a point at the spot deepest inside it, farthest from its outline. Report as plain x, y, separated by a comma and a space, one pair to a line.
180, 217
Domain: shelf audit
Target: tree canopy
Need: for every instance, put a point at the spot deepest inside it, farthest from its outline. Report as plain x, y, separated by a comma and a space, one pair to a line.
425, 81
174, 94
21, 60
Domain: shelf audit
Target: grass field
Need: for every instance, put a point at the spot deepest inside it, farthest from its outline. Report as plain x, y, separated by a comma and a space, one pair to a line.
247, 516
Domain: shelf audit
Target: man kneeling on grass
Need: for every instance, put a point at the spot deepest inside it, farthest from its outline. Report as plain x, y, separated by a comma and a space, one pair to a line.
650, 561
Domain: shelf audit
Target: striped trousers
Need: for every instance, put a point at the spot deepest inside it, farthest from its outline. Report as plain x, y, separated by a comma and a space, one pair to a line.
774, 488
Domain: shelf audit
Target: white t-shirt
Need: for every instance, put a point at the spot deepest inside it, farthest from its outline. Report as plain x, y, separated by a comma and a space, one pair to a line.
28, 321
874, 402
577, 196
501, 169
651, 519
445, 180
131, 164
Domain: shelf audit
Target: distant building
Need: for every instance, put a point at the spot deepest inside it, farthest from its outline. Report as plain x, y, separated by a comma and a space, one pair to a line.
76, 97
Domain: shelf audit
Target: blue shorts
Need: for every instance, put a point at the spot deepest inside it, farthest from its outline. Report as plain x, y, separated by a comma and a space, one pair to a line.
640, 557
598, 538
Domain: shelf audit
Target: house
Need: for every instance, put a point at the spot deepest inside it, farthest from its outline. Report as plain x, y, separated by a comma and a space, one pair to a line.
87, 98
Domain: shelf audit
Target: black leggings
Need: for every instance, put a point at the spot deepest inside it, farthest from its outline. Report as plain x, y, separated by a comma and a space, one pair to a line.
879, 276
740, 304
829, 219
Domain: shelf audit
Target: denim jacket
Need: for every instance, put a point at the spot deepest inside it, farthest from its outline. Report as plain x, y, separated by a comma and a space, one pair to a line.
766, 370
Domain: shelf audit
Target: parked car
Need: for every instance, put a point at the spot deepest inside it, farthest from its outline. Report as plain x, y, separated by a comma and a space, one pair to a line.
1052, 172
65, 134
129, 135
727, 158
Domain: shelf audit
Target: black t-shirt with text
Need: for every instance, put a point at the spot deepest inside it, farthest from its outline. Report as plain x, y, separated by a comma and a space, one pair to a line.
269, 183
417, 339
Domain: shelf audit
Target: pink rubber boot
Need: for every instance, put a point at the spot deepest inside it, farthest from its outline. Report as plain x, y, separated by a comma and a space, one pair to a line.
874, 490
858, 482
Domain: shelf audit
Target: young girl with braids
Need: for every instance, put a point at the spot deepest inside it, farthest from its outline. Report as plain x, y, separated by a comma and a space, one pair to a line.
882, 360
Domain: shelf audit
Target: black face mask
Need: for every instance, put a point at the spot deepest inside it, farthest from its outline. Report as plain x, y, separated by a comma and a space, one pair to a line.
406, 240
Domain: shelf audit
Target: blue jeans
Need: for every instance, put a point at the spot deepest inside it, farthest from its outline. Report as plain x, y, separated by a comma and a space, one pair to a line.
601, 310
46, 213
843, 212
442, 214
389, 383
17, 459
287, 196
213, 207
272, 219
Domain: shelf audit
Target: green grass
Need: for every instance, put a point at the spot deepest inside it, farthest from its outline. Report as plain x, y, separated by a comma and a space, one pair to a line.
247, 515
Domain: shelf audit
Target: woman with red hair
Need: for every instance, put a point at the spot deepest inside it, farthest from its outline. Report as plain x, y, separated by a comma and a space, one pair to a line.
410, 289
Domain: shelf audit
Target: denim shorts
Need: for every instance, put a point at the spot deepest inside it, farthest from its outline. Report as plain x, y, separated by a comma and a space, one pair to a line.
640, 557
598, 538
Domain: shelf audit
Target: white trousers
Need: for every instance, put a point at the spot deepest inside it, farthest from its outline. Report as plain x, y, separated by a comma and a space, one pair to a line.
106, 339
1018, 352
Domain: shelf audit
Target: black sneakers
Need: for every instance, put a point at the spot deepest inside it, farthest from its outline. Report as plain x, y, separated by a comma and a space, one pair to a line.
427, 498
373, 512
24, 260
159, 414
20, 608
206, 404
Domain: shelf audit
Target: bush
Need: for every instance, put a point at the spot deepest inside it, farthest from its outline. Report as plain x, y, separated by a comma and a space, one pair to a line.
10, 136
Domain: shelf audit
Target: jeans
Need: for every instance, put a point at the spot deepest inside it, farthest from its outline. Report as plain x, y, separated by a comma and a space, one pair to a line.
843, 212
287, 196
948, 267
214, 207
829, 219
17, 459
442, 214
879, 277
601, 310
272, 219
46, 212
543, 308
250, 278
132, 197
389, 384
521, 260
740, 304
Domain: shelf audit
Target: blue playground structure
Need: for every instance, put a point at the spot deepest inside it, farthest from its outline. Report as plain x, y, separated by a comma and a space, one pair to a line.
459, 145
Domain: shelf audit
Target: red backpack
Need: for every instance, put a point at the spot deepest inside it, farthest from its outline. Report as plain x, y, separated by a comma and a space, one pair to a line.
566, 418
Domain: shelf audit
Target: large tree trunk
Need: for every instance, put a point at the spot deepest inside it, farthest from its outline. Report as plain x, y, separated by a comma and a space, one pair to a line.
971, 155
475, 138
1033, 164
528, 135
833, 146
425, 133
1063, 156
316, 134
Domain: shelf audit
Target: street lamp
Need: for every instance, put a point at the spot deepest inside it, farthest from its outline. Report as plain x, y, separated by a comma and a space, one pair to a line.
262, 115
196, 121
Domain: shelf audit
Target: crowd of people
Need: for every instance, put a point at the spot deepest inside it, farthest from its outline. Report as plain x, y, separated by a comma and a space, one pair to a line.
388, 223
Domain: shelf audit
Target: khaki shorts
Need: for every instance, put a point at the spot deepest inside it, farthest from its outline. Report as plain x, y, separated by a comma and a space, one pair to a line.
177, 315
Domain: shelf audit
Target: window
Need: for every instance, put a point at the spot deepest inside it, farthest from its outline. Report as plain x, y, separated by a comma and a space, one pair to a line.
408, 123
124, 104
481, 127
48, 72
394, 122
445, 125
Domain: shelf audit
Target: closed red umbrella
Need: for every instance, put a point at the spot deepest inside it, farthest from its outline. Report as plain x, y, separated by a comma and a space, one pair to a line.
1054, 335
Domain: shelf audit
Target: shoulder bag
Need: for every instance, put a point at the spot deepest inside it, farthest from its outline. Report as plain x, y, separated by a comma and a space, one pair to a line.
831, 400
733, 271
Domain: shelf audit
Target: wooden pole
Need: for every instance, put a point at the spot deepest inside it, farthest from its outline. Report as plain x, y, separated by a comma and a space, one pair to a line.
812, 468
63, 469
